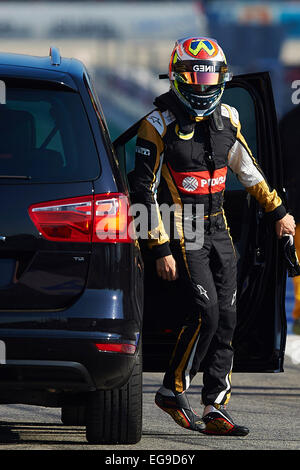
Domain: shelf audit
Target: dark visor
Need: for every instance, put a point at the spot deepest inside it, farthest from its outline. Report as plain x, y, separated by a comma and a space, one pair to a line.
201, 73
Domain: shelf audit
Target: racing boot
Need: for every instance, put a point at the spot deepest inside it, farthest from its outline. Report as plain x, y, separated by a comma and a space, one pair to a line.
219, 423
178, 407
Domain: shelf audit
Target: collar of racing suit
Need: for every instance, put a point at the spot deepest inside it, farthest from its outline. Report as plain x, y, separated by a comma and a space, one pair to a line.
186, 123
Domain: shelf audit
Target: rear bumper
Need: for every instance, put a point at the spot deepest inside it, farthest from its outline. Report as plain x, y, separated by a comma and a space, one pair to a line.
45, 375
61, 361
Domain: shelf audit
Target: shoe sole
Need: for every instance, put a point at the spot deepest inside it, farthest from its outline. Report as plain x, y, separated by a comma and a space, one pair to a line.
177, 415
228, 433
221, 427
179, 418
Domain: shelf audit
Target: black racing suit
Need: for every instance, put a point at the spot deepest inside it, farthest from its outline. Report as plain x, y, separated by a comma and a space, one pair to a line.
190, 169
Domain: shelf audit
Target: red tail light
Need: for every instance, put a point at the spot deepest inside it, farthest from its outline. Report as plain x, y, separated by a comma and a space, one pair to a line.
116, 347
98, 218
111, 218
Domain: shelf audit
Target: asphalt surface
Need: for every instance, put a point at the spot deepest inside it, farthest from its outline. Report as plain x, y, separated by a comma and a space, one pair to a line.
269, 404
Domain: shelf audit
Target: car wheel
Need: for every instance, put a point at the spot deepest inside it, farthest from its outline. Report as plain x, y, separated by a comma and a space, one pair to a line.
115, 416
73, 415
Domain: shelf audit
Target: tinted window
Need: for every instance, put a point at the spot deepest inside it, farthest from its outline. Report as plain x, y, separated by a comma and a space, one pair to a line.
45, 134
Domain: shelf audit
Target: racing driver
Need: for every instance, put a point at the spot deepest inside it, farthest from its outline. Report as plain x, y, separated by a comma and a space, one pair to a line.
184, 148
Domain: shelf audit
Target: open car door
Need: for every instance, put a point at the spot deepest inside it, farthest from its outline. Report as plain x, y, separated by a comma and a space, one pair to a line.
260, 335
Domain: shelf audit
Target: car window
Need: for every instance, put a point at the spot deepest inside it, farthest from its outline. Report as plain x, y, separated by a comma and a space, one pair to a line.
45, 134
241, 99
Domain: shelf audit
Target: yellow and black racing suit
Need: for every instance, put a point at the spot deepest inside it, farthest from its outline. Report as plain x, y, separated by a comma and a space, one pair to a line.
190, 169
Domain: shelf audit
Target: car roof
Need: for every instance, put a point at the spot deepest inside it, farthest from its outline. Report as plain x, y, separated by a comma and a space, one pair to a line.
52, 63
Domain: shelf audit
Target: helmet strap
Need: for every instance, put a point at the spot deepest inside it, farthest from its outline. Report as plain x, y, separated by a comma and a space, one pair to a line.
216, 120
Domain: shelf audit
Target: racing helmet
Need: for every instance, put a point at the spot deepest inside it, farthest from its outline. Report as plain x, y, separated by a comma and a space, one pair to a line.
198, 72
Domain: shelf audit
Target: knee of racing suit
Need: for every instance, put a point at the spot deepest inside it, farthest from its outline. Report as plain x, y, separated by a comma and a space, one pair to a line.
208, 318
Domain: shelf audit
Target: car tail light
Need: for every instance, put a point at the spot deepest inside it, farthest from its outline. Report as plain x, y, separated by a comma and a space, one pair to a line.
111, 220
116, 347
64, 220
98, 218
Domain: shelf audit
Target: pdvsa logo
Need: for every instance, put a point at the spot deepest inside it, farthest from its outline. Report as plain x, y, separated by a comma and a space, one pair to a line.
190, 183
213, 181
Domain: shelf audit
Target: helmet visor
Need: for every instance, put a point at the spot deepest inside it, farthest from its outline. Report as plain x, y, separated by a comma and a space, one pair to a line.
199, 89
201, 73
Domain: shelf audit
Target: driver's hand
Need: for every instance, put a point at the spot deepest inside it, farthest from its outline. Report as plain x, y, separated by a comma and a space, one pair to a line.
166, 268
285, 226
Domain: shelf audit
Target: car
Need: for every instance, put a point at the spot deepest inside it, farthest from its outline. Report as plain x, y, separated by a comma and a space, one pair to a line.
83, 313
71, 300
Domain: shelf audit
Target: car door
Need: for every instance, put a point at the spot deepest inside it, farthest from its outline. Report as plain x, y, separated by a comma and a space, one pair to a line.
260, 335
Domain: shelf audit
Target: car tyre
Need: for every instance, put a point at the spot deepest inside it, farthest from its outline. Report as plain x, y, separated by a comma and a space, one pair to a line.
73, 415
115, 416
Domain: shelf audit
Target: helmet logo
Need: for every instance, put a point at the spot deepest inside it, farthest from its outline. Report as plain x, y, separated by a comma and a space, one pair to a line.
197, 46
204, 68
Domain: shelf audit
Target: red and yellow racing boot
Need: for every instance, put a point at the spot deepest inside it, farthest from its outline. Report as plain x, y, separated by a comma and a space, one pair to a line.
178, 407
219, 423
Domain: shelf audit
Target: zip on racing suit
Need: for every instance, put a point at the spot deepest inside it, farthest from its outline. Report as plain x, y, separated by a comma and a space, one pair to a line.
190, 167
